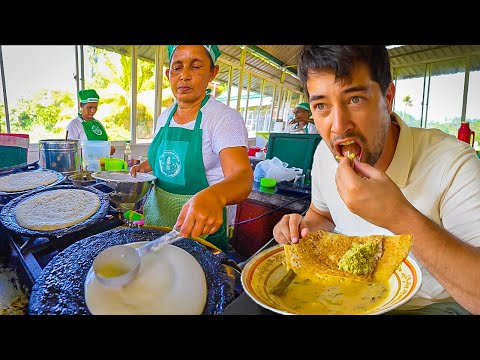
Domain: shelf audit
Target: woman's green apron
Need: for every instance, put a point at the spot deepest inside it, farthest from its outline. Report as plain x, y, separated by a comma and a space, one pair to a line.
305, 128
94, 130
175, 156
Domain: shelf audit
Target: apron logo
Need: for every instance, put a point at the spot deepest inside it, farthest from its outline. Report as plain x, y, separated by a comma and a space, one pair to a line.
96, 130
170, 163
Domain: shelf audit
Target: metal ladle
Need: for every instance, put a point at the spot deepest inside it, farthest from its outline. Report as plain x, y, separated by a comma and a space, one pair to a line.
117, 265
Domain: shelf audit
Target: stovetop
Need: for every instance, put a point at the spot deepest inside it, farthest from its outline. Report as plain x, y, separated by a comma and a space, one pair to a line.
33, 253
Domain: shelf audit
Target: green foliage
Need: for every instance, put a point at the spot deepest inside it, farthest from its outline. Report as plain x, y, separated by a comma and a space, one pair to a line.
115, 78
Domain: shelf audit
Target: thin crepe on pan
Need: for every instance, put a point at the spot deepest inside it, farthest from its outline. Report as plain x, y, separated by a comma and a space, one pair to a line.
318, 254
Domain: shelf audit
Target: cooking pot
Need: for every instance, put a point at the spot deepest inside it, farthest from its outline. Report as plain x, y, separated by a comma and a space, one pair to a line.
59, 155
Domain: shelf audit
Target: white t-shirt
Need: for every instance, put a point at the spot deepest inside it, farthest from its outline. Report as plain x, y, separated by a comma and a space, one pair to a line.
294, 129
437, 173
222, 126
75, 129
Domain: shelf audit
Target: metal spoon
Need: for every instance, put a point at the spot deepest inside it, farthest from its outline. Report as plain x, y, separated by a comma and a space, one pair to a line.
117, 265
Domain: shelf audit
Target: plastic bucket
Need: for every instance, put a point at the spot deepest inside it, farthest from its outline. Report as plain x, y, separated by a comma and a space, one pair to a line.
252, 150
115, 164
93, 153
59, 155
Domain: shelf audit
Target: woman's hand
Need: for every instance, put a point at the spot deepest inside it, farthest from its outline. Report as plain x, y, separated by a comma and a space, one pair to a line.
202, 214
142, 167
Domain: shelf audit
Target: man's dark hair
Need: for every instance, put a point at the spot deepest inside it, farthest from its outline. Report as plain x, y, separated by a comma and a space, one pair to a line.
342, 58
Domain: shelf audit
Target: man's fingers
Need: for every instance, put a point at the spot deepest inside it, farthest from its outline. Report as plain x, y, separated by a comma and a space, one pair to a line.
304, 232
365, 169
281, 239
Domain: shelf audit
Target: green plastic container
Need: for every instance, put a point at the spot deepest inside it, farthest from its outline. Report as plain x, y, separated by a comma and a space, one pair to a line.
12, 156
295, 149
268, 182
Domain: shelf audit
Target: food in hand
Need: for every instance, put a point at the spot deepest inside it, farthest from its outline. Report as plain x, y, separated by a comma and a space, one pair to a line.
366, 258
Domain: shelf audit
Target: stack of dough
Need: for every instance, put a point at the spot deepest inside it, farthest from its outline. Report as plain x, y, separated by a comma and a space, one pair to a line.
56, 209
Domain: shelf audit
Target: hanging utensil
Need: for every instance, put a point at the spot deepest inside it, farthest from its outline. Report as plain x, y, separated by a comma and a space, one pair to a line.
116, 266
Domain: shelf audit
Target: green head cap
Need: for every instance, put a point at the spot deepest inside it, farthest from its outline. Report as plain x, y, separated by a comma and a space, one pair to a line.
305, 106
213, 50
88, 95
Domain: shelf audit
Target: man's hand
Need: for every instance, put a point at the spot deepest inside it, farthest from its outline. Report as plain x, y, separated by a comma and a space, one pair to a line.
369, 192
290, 229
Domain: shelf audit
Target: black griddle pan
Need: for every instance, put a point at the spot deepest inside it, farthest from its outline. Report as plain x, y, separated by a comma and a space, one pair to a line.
59, 290
7, 215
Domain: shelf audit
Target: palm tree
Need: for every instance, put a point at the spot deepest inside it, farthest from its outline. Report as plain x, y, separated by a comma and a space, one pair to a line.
115, 81
407, 100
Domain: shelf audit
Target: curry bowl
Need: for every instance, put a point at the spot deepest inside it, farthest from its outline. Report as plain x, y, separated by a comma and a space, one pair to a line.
264, 271
82, 179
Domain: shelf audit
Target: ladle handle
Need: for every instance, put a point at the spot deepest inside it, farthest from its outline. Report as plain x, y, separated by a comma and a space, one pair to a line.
160, 242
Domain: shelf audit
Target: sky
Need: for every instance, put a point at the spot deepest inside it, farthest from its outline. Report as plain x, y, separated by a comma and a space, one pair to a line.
52, 67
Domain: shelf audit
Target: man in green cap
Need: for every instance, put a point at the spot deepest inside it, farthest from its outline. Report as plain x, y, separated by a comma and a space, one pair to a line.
84, 126
302, 123
198, 154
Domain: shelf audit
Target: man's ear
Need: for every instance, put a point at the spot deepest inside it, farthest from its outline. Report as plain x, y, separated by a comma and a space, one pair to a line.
389, 96
215, 70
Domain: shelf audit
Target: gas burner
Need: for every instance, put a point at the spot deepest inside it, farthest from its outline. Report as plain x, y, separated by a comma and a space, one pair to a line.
34, 252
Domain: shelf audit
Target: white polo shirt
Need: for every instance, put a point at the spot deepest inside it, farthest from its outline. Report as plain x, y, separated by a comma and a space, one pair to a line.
437, 173
75, 129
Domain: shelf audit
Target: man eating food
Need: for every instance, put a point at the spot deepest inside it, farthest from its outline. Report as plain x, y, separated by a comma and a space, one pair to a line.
403, 180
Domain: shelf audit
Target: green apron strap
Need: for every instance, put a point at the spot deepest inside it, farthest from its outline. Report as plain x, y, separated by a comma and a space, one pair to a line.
176, 158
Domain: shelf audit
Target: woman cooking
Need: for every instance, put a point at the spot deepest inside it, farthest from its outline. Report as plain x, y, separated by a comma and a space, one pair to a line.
199, 152
84, 126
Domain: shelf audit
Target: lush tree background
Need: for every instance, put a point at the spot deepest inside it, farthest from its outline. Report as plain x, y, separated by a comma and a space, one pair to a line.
47, 112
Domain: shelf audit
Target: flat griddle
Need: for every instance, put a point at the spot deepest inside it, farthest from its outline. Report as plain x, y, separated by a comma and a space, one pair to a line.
59, 290
13, 194
7, 215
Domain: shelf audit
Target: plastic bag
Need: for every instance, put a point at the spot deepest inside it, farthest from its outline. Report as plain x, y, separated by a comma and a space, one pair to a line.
275, 169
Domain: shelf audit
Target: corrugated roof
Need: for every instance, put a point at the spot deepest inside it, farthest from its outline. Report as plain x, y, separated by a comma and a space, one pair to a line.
410, 57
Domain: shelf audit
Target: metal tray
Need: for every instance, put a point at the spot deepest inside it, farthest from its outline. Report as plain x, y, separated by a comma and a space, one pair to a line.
7, 215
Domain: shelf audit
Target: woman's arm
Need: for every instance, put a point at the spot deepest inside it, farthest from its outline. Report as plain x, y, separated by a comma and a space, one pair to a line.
203, 213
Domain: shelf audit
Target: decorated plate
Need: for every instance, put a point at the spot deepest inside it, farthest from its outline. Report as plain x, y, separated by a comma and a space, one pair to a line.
264, 271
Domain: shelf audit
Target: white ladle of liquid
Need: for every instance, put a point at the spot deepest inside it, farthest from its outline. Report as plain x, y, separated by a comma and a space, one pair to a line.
117, 265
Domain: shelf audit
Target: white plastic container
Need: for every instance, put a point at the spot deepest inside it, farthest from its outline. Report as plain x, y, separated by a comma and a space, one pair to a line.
278, 126
92, 152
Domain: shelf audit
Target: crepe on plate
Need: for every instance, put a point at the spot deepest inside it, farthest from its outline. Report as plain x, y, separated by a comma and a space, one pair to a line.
365, 258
